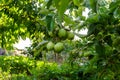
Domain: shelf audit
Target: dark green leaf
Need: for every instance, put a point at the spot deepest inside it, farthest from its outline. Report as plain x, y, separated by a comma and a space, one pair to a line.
49, 3
91, 29
93, 4
108, 40
100, 49
50, 22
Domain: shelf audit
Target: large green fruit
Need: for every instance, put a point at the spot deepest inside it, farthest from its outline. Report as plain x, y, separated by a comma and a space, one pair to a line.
62, 33
58, 47
50, 46
70, 35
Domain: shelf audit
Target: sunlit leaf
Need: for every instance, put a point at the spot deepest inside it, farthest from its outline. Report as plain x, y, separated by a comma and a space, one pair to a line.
56, 3
62, 7
76, 2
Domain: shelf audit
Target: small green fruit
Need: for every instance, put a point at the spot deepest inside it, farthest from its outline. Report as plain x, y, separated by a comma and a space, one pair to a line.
50, 46
59, 47
50, 34
70, 35
62, 33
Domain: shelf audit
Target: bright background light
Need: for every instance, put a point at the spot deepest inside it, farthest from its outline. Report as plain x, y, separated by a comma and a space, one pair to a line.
22, 44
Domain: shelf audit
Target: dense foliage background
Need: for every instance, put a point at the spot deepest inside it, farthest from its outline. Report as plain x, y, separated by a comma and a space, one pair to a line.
95, 56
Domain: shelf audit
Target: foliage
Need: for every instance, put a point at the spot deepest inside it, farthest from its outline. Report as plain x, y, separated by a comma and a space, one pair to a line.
16, 64
97, 53
13, 67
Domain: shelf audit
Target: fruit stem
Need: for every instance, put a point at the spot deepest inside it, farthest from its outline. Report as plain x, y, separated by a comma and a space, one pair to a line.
55, 57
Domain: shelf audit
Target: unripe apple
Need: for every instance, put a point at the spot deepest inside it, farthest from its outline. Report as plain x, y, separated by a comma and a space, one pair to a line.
58, 47
70, 35
62, 33
50, 46
50, 34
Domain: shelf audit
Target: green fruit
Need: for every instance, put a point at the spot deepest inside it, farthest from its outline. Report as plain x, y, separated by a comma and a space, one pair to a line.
50, 34
50, 46
70, 35
62, 33
58, 47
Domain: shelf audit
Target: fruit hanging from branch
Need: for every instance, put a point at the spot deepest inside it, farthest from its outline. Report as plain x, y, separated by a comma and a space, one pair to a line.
62, 33
50, 46
59, 47
70, 35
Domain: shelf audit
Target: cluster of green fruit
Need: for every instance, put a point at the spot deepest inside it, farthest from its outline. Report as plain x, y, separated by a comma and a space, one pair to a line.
62, 33
58, 47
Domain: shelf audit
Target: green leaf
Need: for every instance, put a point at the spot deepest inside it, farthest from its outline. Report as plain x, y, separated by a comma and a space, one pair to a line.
114, 5
50, 22
49, 3
93, 4
108, 39
23, 37
100, 49
91, 29
93, 18
80, 10
44, 11
56, 3
63, 4
116, 13
76, 2
103, 11
68, 20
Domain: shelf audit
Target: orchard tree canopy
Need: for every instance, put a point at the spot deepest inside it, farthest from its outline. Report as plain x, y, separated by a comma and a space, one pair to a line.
37, 19
41, 20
